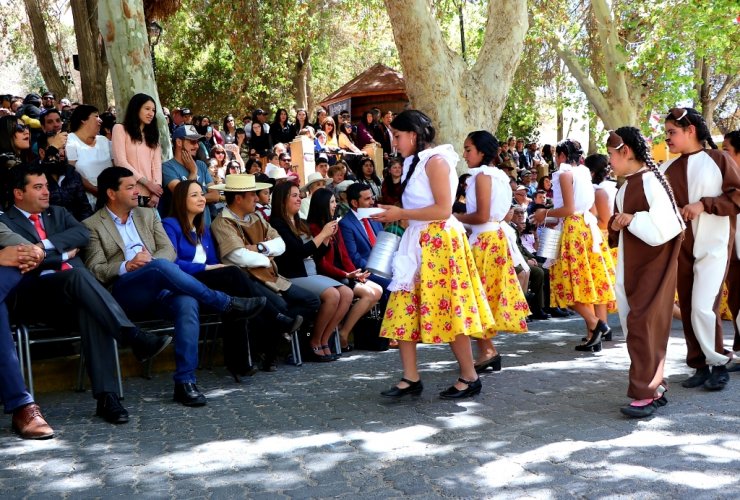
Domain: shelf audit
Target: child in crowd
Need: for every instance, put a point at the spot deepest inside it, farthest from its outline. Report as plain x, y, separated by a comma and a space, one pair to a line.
647, 229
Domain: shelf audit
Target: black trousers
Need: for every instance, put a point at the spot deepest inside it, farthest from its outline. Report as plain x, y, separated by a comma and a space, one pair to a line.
539, 285
74, 299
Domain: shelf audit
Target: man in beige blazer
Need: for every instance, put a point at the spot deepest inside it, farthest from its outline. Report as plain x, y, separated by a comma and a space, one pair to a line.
130, 253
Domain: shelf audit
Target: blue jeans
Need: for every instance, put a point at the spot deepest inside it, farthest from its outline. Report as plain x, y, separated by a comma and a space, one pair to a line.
12, 386
162, 286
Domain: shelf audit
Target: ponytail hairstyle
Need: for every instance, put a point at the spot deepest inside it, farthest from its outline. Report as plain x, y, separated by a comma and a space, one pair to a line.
571, 149
683, 117
633, 138
413, 120
487, 144
599, 167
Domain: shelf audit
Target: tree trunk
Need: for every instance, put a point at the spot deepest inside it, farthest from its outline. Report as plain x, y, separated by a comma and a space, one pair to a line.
42, 50
615, 106
300, 77
593, 120
560, 122
92, 71
123, 27
458, 99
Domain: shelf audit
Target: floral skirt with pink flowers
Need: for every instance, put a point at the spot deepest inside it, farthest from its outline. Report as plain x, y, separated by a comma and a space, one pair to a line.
498, 276
580, 275
448, 298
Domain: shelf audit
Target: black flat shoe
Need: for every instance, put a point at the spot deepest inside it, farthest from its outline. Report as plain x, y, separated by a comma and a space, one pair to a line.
589, 348
698, 378
639, 411
607, 337
249, 372
413, 389
110, 409
599, 330
473, 388
718, 379
494, 363
348, 348
541, 316
188, 394
557, 313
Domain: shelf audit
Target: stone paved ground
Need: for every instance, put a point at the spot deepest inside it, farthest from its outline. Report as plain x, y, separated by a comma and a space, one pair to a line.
546, 427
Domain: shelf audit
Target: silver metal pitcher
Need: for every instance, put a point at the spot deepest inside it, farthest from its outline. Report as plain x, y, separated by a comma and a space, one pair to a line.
380, 261
549, 244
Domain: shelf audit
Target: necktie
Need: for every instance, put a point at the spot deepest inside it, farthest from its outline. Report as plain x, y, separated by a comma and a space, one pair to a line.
370, 232
42, 235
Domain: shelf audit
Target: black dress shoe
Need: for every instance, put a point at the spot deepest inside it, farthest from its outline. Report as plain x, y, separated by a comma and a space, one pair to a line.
414, 389
718, 379
589, 348
146, 345
639, 411
494, 363
541, 315
110, 408
473, 388
246, 307
289, 324
189, 395
697, 379
556, 312
733, 367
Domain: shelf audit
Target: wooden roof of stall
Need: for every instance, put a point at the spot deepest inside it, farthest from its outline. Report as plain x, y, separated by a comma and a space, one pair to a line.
378, 79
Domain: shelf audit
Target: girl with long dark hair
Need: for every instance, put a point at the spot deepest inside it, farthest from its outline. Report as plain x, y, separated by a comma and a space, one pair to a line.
579, 277
436, 293
487, 201
336, 263
297, 264
228, 133
136, 146
647, 228
367, 176
706, 185
281, 130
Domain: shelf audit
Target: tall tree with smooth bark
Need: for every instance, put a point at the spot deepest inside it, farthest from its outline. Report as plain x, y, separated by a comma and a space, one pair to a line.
457, 97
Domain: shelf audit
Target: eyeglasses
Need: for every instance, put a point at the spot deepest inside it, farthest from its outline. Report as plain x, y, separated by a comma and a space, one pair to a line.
47, 98
21, 127
219, 153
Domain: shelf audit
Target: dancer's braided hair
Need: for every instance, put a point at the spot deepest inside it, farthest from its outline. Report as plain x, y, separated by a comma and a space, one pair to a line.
633, 138
413, 120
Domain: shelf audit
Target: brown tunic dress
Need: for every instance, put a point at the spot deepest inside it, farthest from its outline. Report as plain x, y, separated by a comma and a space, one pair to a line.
647, 280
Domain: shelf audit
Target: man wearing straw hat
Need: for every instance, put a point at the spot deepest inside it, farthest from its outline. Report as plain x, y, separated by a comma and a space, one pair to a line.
246, 240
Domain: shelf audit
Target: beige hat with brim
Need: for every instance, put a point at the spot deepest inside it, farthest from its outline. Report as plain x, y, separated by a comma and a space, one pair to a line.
313, 178
241, 183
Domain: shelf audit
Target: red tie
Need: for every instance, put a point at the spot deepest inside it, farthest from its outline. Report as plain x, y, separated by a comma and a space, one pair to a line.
370, 233
42, 235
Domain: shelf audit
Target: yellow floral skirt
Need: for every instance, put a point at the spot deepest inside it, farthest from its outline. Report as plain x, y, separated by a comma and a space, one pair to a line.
448, 299
498, 276
580, 275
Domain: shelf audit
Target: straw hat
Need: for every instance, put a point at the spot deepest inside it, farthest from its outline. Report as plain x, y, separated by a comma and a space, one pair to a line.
313, 178
277, 174
241, 183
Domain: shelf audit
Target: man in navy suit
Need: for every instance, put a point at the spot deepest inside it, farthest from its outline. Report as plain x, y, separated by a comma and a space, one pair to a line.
360, 234
62, 292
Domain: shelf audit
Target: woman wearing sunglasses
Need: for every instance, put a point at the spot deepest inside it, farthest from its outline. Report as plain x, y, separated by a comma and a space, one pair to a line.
706, 184
15, 148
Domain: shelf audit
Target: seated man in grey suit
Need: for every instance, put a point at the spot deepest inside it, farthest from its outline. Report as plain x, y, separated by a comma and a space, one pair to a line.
17, 256
63, 293
130, 252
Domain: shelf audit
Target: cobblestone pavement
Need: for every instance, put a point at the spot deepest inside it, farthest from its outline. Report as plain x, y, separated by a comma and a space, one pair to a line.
547, 426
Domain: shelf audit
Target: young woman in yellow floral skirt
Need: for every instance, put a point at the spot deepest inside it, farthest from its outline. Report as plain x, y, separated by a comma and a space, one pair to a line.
436, 293
579, 277
488, 200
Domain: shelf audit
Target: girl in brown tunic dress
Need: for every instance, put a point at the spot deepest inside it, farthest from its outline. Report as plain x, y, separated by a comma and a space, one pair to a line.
648, 228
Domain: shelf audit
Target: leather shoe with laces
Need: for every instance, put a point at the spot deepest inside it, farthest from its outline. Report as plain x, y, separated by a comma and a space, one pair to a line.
246, 307
146, 345
110, 409
188, 394
718, 379
29, 423
697, 379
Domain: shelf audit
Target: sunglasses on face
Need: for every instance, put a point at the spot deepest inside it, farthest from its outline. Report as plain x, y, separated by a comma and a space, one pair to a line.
21, 127
219, 153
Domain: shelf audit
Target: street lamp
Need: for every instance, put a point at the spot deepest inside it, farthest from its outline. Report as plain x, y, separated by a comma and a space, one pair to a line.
153, 31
